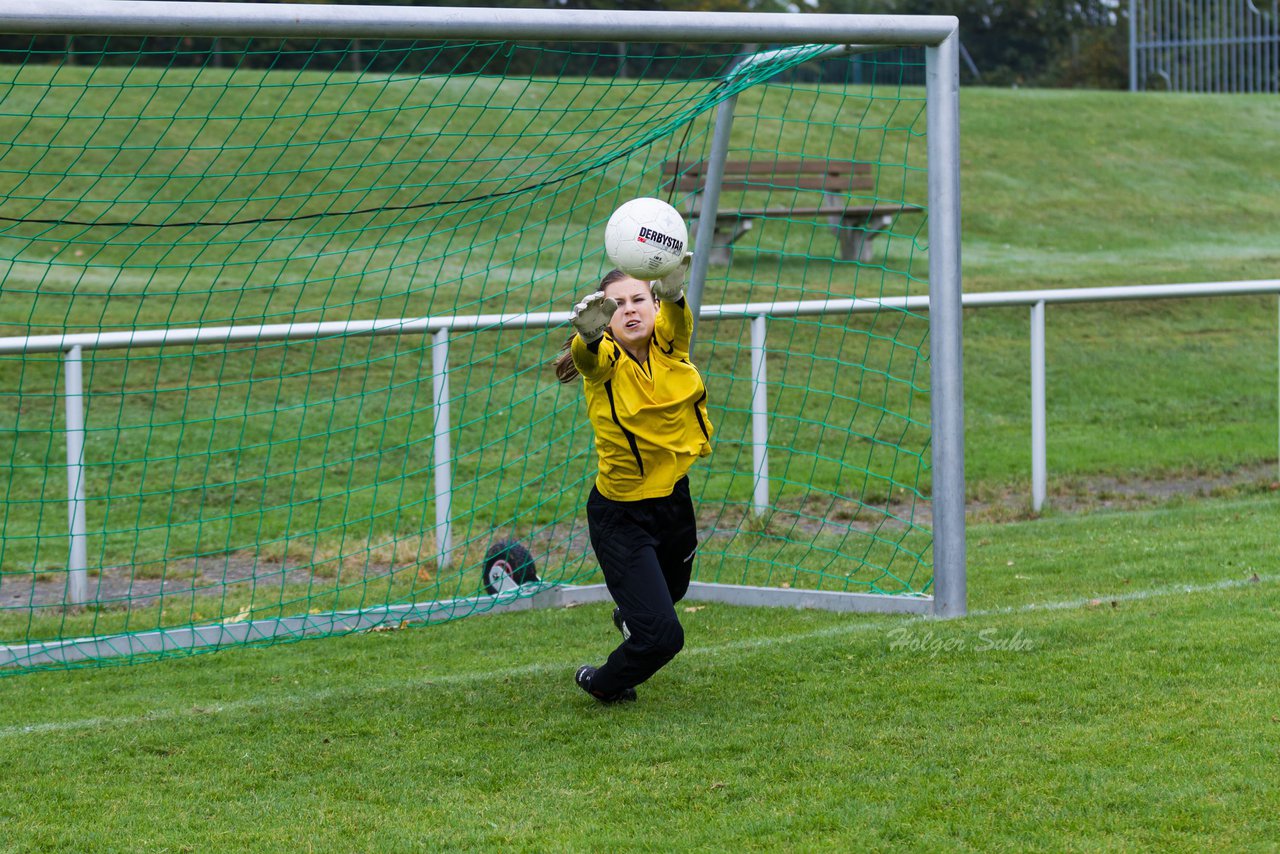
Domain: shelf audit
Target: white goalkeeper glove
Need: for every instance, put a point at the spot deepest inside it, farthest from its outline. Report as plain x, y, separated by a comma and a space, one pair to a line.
670, 288
592, 315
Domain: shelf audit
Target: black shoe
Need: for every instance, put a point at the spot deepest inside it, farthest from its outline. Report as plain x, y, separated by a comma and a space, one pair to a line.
621, 624
583, 678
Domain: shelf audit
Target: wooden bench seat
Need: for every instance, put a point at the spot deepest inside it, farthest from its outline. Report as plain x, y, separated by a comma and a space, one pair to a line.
830, 186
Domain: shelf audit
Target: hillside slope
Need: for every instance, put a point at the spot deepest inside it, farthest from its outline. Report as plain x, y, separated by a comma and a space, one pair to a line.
1067, 188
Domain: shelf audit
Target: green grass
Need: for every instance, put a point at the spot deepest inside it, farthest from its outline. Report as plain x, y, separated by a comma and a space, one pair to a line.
1110, 689
1066, 188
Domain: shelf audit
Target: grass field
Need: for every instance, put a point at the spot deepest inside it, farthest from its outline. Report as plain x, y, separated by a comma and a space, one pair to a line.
1111, 688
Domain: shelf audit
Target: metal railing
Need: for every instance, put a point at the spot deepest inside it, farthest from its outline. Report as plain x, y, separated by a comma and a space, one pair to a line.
74, 345
1204, 45
1037, 300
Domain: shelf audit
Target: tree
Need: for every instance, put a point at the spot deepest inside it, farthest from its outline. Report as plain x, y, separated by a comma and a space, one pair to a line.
1027, 42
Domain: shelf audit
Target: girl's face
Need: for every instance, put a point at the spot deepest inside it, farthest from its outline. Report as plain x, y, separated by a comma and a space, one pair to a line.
632, 323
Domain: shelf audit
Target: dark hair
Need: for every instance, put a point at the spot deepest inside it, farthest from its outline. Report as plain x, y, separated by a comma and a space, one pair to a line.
566, 370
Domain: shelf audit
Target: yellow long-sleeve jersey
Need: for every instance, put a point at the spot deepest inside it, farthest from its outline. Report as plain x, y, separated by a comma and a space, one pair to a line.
650, 419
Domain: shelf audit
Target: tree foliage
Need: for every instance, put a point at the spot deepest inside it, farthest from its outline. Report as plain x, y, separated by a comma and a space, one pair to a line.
1038, 42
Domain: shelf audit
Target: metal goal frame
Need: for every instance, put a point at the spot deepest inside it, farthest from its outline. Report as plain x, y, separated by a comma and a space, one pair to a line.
938, 35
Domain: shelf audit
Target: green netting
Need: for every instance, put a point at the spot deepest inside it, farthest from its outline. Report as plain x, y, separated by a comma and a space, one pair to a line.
260, 488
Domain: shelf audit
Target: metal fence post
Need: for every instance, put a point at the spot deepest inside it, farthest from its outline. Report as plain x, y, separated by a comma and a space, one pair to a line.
1133, 45
759, 416
1039, 422
443, 451
77, 517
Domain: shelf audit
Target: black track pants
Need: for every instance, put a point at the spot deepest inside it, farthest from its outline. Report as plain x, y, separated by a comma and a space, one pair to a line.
645, 549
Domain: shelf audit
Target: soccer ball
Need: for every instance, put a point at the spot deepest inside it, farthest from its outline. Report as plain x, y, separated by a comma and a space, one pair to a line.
645, 238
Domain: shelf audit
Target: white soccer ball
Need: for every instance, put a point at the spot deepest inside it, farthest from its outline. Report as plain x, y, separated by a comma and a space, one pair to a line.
646, 238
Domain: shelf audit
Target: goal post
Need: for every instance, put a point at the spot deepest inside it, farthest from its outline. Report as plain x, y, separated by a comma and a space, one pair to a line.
947, 385
283, 282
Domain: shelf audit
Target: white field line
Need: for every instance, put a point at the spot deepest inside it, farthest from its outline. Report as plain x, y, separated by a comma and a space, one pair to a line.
1130, 596
845, 628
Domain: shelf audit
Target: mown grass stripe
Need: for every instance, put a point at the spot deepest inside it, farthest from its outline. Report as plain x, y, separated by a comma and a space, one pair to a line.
856, 626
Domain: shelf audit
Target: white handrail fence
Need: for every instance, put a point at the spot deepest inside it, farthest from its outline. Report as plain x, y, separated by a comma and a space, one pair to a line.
73, 346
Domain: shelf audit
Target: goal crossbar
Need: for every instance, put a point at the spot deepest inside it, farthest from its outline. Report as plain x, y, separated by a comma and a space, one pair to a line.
145, 18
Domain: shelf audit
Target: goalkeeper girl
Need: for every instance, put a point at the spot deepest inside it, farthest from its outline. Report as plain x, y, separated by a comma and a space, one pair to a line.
648, 407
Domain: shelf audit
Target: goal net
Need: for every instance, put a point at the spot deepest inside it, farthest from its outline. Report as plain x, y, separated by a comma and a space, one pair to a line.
278, 315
